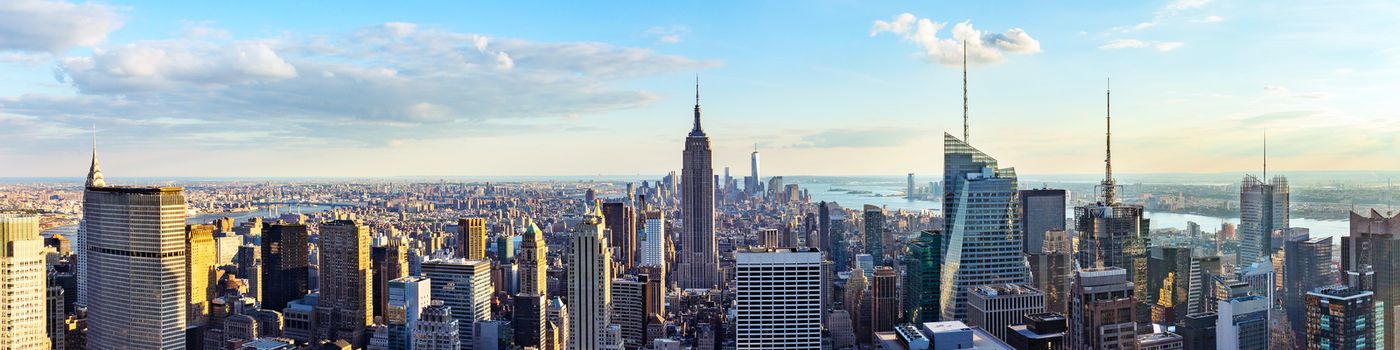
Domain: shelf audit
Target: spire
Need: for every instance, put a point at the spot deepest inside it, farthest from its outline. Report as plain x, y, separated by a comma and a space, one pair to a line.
965, 137
697, 128
94, 178
1110, 190
1266, 157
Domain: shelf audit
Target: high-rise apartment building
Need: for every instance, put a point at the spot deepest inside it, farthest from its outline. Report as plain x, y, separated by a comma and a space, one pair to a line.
994, 308
23, 284
1263, 209
699, 258
131, 237
590, 293
343, 310
465, 287
286, 263
982, 224
534, 266
778, 300
471, 238
1101, 310
857, 302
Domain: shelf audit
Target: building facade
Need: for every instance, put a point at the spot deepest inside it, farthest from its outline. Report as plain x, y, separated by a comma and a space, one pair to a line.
23, 283
778, 301
464, 286
997, 307
344, 310
137, 233
590, 293
699, 258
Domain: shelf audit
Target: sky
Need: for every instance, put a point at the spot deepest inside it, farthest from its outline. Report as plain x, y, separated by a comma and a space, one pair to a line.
364, 89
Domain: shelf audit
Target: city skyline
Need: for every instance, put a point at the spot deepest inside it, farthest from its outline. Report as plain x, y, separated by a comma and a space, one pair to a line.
420, 90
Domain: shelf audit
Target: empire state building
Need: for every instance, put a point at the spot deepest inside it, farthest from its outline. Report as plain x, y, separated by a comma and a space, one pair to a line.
699, 263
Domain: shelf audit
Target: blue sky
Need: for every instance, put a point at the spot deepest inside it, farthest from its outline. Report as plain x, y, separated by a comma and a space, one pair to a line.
824, 88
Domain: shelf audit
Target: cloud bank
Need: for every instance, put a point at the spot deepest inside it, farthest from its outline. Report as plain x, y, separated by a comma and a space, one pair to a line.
54, 26
377, 85
982, 47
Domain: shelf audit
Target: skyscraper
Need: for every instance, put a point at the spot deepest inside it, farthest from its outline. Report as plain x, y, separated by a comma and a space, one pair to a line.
387, 262
471, 238
23, 284
199, 247
407, 296
1042, 210
654, 239
875, 232
1243, 323
1052, 270
699, 260
778, 302
533, 261
629, 309
137, 233
1308, 265
1112, 234
590, 294
465, 287
528, 320
753, 187
982, 223
1263, 209
621, 220
343, 310
1174, 284
1374, 242
436, 329
884, 290
857, 303
1340, 317
909, 190
286, 264
1101, 310
922, 275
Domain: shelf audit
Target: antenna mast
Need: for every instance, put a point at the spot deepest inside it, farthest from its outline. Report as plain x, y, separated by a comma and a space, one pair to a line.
966, 139
1109, 186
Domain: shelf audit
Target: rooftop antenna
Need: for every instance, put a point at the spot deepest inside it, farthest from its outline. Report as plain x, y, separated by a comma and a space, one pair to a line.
1109, 186
966, 139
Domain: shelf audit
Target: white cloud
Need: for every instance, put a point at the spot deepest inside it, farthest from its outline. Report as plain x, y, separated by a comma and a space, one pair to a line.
1168, 46
982, 47
177, 64
1282, 91
1179, 5
668, 35
54, 26
1163, 46
1210, 19
1124, 44
367, 87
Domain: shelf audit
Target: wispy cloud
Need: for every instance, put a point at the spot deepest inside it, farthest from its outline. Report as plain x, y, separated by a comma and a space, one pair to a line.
669, 34
1165, 46
860, 138
982, 47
